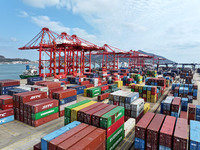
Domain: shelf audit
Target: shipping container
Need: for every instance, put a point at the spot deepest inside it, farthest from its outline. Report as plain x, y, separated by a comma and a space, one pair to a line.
53, 135
152, 137
166, 132
96, 116
180, 134
6, 113
194, 135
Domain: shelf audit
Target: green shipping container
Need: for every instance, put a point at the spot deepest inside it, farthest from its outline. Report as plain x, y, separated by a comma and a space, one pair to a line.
68, 108
140, 91
132, 90
94, 92
111, 117
113, 86
114, 140
67, 120
44, 113
115, 89
106, 91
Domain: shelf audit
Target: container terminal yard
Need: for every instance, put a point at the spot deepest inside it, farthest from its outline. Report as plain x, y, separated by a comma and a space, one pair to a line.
72, 105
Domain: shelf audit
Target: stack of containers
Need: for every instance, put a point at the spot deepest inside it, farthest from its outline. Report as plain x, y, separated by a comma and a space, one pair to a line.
149, 93
6, 116
146, 107
40, 111
103, 96
104, 88
75, 135
151, 73
166, 105
32, 80
67, 118
78, 88
73, 80
108, 117
141, 130
191, 112
16, 90
184, 104
176, 107
21, 98
6, 102
52, 90
6, 85
194, 135
40, 88
93, 92
181, 135
66, 98
113, 87
129, 126
198, 112
156, 82
85, 91
152, 138
166, 133
184, 90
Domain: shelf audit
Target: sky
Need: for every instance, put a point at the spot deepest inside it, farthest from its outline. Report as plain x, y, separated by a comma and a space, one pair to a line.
170, 28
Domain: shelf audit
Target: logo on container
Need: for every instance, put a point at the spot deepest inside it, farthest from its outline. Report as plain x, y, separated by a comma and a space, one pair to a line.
35, 96
47, 106
2, 115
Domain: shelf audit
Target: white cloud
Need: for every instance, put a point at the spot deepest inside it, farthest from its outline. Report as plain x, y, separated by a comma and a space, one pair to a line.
41, 3
157, 26
58, 27
13, 39
23, 14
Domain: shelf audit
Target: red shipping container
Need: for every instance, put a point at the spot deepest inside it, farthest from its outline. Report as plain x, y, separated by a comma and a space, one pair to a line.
96, 116
183, 114
32, 96
103, 88
9, 82
91, 141
153, 90
89, 85
51, 90
191, 108
103, 96
80, 113
153, 132
87, 116
37, 146
61, 113
116, 103
6, 113
176, 104
41, 105
115, 126
140, 116
84, 82
64, 93
50, 84
52, 145
101, 146
167, 131
44, 120
180, 134
141, 126
7, 106
6, 99
75, 138
191, 117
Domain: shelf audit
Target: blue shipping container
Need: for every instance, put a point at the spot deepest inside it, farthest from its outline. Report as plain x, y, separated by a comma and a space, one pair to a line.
194, 135
6, 119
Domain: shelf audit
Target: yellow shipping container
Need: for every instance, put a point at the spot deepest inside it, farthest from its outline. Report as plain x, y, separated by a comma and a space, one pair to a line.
148, 99
145, 95
148, 92
119, 83
130, 85
136, 86
146, 107
153, 98
85, 91
139, 82
148, 96
167, 83
75, 110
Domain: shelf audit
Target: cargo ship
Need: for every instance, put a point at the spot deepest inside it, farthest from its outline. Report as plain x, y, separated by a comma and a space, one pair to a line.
31, 71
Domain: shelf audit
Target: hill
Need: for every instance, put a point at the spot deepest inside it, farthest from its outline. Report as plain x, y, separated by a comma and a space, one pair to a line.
4, 59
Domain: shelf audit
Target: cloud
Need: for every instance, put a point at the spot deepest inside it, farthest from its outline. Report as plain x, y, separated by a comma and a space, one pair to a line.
58, 27
10, 40
41, 3
23, 14
161, 27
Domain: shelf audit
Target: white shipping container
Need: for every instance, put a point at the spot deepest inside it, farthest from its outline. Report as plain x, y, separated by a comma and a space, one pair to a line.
129, 125
137, 104
62, 107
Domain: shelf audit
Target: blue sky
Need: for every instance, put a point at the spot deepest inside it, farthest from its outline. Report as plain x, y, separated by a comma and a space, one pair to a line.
169, 28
